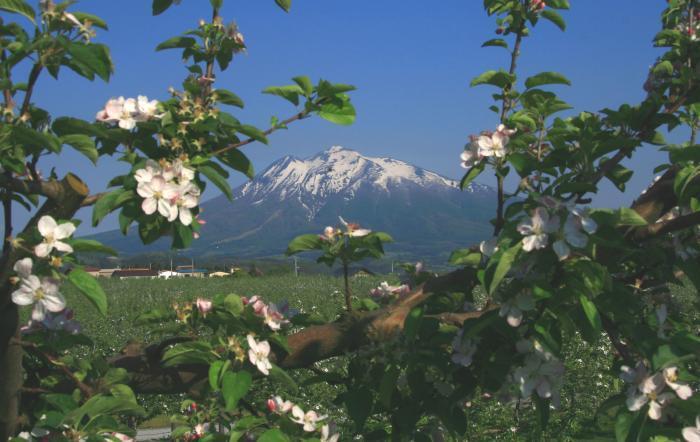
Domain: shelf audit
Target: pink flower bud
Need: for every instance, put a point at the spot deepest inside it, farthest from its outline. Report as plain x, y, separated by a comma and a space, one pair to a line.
204, 306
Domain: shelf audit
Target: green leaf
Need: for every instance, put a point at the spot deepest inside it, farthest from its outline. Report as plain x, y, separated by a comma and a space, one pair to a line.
305, 84
66, 125
290, 93
342, 113
412, 323
274, 435
358, 402
252, 132
89, 287
217, 179
160, 6
176, 42
216, 3
555, 18
215, 374
90, 246
195, 352
234, 304
18, 7
105, 205
227, 97
628, 425
503, 263
387, 385
284, 4
92, 56
498, 42
591, 312
498, 78
95, 20
471, 175
629, 217
303, 243
558, 4
83, 144
465, 257
234, 386
237, 160
546, 78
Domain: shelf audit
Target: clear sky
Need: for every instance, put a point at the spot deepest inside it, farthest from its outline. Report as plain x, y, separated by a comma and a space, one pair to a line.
411, 61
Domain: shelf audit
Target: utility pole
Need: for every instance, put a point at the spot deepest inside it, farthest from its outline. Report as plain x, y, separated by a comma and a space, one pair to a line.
392, 266
296, 268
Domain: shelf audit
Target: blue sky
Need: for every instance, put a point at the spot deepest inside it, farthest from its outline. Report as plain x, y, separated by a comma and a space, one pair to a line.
411, 61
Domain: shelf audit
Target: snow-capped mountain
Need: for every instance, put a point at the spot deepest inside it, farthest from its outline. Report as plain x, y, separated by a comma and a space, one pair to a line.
338, 171
426, 213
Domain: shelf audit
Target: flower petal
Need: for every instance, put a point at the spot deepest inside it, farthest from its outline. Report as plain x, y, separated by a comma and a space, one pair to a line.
46, 225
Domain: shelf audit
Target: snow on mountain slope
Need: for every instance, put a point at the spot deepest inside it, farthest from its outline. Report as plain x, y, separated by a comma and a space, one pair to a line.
338, 171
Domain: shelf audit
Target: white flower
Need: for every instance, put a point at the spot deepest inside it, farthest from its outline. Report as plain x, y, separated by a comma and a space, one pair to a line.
692, 434
682, 389
572, 235
354, 229
43, 293
513, 308
308, 419
187, 197
489, 247
146, 109
121, 437
494, 144
272, 317
542, 373
470, 156
464, 349
385, 289
127, 112
649, 391
328, 433
53, 234
158, 195
537, 228
258, 355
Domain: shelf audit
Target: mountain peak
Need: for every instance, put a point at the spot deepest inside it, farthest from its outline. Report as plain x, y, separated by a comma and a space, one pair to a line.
339, 171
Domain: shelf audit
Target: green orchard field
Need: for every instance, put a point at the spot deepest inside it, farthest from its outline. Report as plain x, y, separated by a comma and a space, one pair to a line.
488, 419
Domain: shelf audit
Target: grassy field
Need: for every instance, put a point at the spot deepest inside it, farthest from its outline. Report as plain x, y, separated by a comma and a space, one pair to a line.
587, 378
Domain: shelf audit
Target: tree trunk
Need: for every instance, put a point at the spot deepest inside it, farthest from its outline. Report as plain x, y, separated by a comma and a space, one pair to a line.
69, 198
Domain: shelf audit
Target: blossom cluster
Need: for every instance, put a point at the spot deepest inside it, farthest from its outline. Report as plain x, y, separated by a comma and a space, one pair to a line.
542, 224
60, 321
308, 419
351, 229
488, 144
537, 5
127, 112
542, 373
650, 389
385, 290
169, 188
272, 314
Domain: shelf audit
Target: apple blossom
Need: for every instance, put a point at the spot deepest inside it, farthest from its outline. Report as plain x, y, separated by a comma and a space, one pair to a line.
683, 390
542, 372
489, 247
329, 434
513, 308
158, 195
692, 434
53, 234
537, 228
353, 229
258, 355
308, 419
470, 156
127, 112
494, 144
43, 293
385, 289
204, 306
